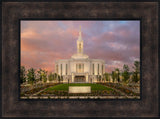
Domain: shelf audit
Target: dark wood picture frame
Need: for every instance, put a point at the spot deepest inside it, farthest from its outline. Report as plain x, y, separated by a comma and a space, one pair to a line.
147, 12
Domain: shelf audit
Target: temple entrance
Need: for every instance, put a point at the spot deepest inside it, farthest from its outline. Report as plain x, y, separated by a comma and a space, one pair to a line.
79, 79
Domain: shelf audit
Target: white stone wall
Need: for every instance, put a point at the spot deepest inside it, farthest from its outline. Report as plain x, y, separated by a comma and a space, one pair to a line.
88, 68
72, 66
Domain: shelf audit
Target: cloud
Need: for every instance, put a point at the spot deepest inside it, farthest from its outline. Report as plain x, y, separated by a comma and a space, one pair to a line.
43, 42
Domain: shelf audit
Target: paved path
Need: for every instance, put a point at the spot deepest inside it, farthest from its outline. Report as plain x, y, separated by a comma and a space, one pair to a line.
122, 93
40, 91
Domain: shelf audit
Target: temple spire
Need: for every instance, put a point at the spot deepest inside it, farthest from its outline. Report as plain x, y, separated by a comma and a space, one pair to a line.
80, 42
80, 34
80, 28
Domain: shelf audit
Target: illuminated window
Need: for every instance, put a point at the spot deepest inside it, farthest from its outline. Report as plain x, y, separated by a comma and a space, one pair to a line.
79, 68
98, 69
80, 47
61, 69
82, 67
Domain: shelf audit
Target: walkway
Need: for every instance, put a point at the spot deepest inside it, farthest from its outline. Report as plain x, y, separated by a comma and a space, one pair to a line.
122, 93
40, 91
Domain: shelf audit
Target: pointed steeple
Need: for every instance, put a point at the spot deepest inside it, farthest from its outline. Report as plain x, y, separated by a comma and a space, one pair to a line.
80, 43
80, 34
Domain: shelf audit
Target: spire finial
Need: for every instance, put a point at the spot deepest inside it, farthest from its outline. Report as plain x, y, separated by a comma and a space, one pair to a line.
80, 33
79, 28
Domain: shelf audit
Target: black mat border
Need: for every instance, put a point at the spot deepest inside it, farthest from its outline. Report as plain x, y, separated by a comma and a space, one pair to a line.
0, 59
80, 1
77, 19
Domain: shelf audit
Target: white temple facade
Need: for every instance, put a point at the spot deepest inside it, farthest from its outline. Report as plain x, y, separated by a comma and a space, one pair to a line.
80, 68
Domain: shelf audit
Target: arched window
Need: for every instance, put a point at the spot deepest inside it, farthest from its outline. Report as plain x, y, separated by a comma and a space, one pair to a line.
80, 45
93, 69
98, 69
61, 69
66, 69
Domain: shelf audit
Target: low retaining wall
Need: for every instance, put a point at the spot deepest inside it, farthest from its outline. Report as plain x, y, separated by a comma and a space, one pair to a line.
79, 89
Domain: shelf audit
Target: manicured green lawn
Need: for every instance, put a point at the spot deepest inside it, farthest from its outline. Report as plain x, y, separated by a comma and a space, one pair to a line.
65, 87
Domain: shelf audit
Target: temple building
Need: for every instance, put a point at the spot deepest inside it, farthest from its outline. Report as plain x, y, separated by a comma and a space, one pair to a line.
80, 68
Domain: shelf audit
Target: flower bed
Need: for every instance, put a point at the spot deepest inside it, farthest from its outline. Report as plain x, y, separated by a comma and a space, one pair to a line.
122, 88
93, 93
34, 90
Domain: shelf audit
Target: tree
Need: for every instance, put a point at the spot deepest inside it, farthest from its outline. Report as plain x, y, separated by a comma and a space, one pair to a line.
31, 75
113, 75
22, 74
42, 75
117, 74
59, 78
51, 76
106, 76
136, 71
55, 76
125, 73
99, 78
103, 79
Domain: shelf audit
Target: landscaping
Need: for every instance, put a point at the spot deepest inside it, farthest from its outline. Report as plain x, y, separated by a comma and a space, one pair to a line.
96, 90
38, 83
65, 86
100, 89
125, 89
34, 89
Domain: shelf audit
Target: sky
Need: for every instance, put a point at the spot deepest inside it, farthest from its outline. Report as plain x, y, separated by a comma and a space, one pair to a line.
44, 42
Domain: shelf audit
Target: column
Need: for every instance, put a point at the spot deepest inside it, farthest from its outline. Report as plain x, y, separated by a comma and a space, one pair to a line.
72, 78
87, 77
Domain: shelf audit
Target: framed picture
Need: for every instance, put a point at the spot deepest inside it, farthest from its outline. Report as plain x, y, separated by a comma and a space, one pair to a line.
72, 59
46, 74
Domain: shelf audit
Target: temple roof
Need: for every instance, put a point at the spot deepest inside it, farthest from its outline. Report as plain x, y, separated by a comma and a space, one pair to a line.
80, 56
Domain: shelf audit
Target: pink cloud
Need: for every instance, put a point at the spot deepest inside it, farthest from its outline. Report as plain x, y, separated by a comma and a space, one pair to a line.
43, 42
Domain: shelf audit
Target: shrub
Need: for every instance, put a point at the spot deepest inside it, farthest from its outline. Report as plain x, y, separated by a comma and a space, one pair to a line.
38, 94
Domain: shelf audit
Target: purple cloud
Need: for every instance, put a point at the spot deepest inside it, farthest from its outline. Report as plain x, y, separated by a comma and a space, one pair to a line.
43, 42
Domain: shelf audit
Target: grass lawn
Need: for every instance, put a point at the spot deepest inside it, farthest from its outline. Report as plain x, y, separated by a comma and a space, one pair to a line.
64, 87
